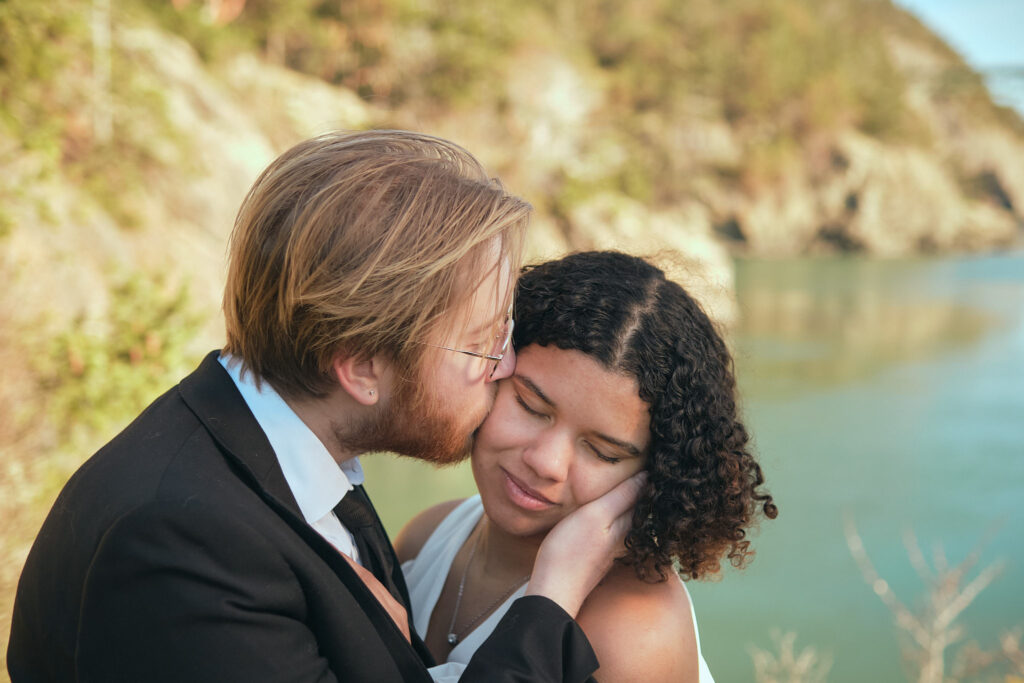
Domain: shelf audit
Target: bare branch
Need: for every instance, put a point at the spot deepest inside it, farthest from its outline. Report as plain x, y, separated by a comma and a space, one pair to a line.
967, 594
785, 665
932, 628
916, 556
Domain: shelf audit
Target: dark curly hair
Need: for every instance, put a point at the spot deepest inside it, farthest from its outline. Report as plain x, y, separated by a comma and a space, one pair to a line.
702, 491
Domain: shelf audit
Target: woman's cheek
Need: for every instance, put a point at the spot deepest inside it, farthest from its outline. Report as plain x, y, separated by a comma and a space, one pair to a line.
518, 427
596, 479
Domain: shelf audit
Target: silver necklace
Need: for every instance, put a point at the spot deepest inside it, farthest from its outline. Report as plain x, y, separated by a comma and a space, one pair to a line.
453, 636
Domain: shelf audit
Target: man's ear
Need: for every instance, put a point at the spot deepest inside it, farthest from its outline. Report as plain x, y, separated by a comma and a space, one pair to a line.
362, 378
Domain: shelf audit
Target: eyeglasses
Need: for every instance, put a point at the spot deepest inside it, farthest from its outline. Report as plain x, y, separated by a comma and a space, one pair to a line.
501, 342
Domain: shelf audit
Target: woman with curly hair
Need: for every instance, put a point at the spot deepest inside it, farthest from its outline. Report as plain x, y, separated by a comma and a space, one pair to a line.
618, 371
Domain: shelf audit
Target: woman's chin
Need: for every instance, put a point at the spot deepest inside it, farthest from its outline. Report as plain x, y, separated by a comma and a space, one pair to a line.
514, 522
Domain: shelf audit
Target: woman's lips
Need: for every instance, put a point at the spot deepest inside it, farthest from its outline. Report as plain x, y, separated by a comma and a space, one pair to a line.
523, 496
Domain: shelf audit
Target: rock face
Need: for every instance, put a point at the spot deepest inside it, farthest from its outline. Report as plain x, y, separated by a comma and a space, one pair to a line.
225, 137
958, 189
553, 136
953, 183
877, 199
554, 111
678, 240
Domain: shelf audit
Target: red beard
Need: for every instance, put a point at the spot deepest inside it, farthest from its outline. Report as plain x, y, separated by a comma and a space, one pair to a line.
414, 424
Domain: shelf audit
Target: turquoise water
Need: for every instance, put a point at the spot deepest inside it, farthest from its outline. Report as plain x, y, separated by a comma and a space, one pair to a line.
891, 392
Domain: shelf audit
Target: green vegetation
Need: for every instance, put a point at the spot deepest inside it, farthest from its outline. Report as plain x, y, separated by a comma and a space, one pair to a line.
49, 98
61, 400
757, 57
99, 374
40, 42
782, 70
781, 73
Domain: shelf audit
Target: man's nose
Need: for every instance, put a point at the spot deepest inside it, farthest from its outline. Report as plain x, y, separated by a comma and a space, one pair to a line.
506, 366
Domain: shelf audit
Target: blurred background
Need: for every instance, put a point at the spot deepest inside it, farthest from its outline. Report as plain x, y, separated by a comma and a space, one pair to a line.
842, 179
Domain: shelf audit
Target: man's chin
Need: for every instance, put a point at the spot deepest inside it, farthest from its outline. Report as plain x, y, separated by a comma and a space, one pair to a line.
447, 457
450, 456
425, 432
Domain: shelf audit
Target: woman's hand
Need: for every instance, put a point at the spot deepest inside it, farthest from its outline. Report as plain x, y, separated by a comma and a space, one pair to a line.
580, 549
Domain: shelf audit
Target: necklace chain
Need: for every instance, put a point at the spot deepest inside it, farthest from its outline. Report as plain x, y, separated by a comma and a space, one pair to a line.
455, 636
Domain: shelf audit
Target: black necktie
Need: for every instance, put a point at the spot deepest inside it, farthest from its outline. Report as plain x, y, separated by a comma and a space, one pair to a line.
358, 516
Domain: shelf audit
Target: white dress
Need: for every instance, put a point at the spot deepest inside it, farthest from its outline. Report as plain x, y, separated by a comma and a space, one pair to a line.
425, 576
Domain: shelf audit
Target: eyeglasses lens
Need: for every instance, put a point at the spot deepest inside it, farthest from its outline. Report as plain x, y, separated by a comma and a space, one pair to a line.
501, 342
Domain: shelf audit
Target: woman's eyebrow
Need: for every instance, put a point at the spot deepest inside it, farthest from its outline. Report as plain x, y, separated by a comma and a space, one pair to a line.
532, 386
624, 445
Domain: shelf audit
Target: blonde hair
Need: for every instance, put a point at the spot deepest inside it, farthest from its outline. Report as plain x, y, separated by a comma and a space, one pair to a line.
360, 243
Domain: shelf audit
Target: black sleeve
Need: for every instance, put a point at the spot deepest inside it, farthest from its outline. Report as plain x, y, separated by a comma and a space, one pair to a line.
536, 641
175, 593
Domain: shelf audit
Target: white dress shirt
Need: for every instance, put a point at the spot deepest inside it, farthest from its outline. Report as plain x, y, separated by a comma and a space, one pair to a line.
317, 482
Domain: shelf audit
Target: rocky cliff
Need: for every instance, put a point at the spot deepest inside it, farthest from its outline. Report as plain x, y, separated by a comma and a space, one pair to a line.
643, 128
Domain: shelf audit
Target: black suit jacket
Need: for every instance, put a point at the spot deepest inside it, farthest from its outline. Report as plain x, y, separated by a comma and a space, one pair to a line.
177, 553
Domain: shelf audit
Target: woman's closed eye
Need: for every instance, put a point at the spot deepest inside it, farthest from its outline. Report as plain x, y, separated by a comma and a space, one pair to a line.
526, 406
606, 458
533, 412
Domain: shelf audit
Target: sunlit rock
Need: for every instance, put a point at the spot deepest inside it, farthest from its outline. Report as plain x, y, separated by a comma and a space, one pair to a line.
679, 240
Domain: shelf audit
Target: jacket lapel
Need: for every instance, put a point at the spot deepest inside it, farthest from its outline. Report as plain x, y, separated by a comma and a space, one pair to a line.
212, 396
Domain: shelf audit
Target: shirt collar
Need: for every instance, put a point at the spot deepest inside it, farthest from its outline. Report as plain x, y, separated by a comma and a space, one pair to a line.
316, 480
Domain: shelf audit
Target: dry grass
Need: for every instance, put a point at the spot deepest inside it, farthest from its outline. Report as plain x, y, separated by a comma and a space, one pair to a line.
929, 632
786, 665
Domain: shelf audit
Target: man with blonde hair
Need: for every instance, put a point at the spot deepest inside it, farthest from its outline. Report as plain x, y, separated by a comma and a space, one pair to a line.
225, 534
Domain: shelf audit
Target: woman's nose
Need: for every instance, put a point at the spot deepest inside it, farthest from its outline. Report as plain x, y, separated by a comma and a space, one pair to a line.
550, 456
